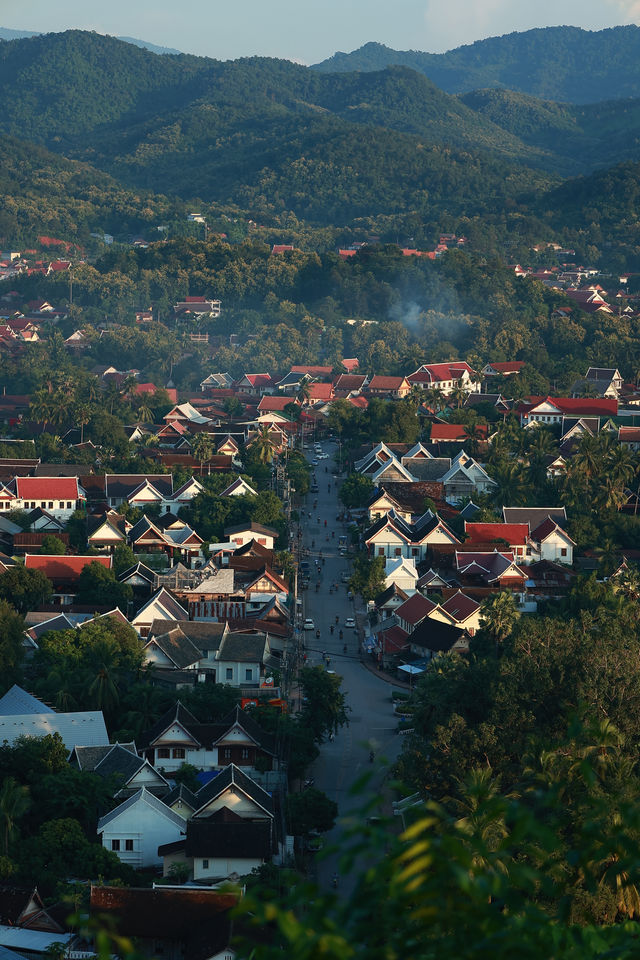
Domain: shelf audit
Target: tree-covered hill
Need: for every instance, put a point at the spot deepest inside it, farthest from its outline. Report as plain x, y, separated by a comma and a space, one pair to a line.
554, 63
576, 138
265, 134
66, 89
43, 193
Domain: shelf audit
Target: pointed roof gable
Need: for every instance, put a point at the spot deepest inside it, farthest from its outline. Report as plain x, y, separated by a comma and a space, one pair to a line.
239, 487
415, 609
17, 700
176, 714
460, 607
392, 466
162, 605
142, 796
229, 778
177, 647
240, 718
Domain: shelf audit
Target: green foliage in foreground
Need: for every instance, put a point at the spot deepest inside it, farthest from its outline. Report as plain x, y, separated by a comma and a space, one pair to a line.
481, 880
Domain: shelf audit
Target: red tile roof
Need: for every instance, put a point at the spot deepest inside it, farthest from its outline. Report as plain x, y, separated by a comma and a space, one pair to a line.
459, 607
512, 533
271, 404
320, 391
574, 406
443, 432
47, 488
62, 568
379, 382
415, 609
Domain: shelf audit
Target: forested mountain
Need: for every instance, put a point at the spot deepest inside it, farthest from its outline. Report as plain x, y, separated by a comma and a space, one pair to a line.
266, 134
7, 34
555, 63
43, 193
387, 150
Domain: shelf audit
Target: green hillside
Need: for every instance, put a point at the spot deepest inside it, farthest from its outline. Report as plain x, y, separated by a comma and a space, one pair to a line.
554, 63
42, 193
266, 134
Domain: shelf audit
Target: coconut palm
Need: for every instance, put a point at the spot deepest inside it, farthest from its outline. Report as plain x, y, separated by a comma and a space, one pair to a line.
144, 412
434, 398
14, 803
202, 449
513, 487
459, 394
304, 392
499, 616
480, 811
82, 415
42, 407
264, 445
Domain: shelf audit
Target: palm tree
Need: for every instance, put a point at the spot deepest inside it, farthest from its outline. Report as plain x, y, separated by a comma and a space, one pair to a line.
474, 434
14, 803
42, 407
82, 415
435, 398
499, 616
513, 487
264, 445
144, 412
481, 815
202, 449
621, 465
112, 395
459, 394
304, 392
103, 690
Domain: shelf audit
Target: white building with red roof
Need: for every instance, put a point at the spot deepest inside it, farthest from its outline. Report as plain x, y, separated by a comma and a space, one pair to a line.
59, 496
550, 410
445, 377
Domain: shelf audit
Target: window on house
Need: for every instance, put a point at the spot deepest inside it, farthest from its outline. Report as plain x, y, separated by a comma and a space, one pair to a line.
50, 504
205, 864
128, 845
115, 844
229, 673
398, 551
563, 551
179, 753
245, 753
415, 551
163, 753
226, 753
69, 505
248, 675
381, 551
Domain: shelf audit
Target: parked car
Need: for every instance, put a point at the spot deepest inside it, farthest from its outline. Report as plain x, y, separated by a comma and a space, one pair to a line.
309, 624
350, 622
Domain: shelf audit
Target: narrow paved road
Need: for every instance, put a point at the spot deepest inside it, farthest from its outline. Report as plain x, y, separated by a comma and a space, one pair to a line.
372, 723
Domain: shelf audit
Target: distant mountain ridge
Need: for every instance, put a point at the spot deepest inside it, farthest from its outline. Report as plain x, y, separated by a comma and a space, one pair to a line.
270, 136
567, 64
8, 34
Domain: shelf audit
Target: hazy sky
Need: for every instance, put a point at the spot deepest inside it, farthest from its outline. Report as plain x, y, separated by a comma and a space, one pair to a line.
310, 31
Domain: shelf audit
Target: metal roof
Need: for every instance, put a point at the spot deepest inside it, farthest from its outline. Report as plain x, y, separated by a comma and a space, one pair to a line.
18, 701
85, 728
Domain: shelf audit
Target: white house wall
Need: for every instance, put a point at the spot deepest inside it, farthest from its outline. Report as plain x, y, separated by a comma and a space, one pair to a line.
146, 829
